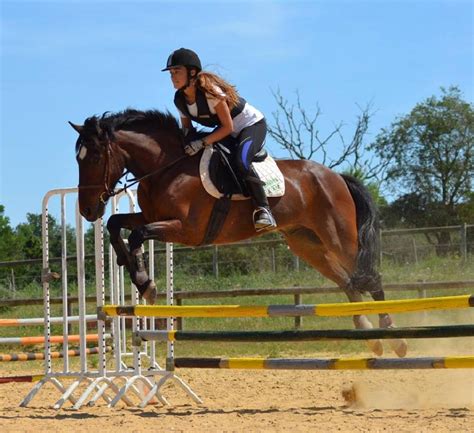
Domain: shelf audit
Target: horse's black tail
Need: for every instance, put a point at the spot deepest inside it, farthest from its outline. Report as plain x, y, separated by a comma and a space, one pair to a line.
365, 277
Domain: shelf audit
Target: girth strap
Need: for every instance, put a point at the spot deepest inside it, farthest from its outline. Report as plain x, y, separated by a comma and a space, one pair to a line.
217, 219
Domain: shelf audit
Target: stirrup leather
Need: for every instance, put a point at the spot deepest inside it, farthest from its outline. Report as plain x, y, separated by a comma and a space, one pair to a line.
263, 219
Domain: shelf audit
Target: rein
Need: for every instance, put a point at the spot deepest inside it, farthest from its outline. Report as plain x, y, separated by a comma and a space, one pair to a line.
108, 193
139, 179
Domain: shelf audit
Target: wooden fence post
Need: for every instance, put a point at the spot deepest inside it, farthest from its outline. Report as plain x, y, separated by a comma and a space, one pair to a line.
298, 319
464, 242
414, 249
379, 240
215, 261
297, 263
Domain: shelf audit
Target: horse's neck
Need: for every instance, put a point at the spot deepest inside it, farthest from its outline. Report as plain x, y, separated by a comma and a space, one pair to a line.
143, 154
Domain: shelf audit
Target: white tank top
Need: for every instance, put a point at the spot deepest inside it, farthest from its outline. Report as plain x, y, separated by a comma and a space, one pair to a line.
248, 117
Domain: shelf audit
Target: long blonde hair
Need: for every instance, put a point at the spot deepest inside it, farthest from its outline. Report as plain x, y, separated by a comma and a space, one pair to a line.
207, 81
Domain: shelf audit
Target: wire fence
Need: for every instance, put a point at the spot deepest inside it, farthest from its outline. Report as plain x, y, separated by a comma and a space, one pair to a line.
400, 247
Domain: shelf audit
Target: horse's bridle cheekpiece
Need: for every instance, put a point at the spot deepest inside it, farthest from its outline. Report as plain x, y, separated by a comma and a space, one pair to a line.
108, 192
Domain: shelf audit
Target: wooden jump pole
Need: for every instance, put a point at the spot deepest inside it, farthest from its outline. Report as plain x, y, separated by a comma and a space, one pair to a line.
328, 364
52, 339
322, 310
28, 378
40, 320
35, 356
307, 335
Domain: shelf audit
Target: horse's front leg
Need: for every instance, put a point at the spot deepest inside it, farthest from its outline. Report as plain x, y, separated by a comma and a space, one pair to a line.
115, 224
133, 260
163, 231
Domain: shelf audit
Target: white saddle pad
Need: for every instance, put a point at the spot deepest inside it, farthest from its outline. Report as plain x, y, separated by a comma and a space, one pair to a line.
267, 170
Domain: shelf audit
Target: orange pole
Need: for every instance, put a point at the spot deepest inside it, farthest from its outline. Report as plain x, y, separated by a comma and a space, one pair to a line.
54, 339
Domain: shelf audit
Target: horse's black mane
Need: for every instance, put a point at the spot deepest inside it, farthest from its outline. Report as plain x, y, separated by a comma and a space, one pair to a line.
130, 119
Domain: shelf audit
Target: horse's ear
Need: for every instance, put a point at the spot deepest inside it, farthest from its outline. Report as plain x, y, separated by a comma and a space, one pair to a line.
78, 128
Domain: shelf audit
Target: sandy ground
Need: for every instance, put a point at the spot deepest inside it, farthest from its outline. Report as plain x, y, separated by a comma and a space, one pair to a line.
237, 400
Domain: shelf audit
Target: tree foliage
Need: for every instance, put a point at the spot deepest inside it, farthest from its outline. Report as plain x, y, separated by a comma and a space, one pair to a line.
429, 154
429, 159
7, 237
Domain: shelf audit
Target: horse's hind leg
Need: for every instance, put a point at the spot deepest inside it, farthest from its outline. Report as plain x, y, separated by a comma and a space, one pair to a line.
361, 321
372, 284
399, 345
305, 244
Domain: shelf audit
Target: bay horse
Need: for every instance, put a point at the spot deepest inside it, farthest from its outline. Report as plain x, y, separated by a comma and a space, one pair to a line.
327, 219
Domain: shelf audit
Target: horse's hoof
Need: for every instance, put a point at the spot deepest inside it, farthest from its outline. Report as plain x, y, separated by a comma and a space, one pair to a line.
375, 346
149, 295
399, 346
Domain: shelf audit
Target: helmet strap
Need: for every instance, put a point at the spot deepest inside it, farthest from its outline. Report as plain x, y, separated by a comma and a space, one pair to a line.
189, 77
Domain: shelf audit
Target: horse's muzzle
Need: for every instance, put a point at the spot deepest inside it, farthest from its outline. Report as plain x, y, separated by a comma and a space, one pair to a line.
92, 214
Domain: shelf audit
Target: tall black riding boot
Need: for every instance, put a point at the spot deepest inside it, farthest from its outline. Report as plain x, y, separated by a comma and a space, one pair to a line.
262, 215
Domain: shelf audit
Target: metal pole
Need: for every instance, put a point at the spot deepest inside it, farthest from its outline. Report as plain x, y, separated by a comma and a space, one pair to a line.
100, 289
169, 301
66, 308
151, 272
46, 292
81, 287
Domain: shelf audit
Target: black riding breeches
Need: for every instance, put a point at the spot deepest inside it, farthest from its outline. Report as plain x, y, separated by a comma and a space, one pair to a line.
248, 143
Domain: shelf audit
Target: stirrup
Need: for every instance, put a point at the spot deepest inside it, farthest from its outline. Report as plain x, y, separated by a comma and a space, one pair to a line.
263, 219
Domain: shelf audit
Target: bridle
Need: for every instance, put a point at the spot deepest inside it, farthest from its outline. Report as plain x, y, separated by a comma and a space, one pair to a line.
107, 193
111, 192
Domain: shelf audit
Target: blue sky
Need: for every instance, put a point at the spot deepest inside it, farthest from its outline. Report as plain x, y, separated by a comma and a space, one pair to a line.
67, 60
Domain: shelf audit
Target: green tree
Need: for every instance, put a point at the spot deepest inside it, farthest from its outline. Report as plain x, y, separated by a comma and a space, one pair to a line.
8, 248
29, 236
429, 153
429, 158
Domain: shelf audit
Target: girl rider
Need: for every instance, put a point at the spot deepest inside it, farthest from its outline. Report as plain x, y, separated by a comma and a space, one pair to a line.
209, 100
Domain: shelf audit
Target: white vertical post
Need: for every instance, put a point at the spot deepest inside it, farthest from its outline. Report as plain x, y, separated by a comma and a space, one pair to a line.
100, 288
169, 301
81, 288
137, 357
64, 284
151, 271
115, 299
46, 294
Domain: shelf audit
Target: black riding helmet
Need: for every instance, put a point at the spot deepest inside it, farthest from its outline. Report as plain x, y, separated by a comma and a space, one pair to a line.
183, 57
